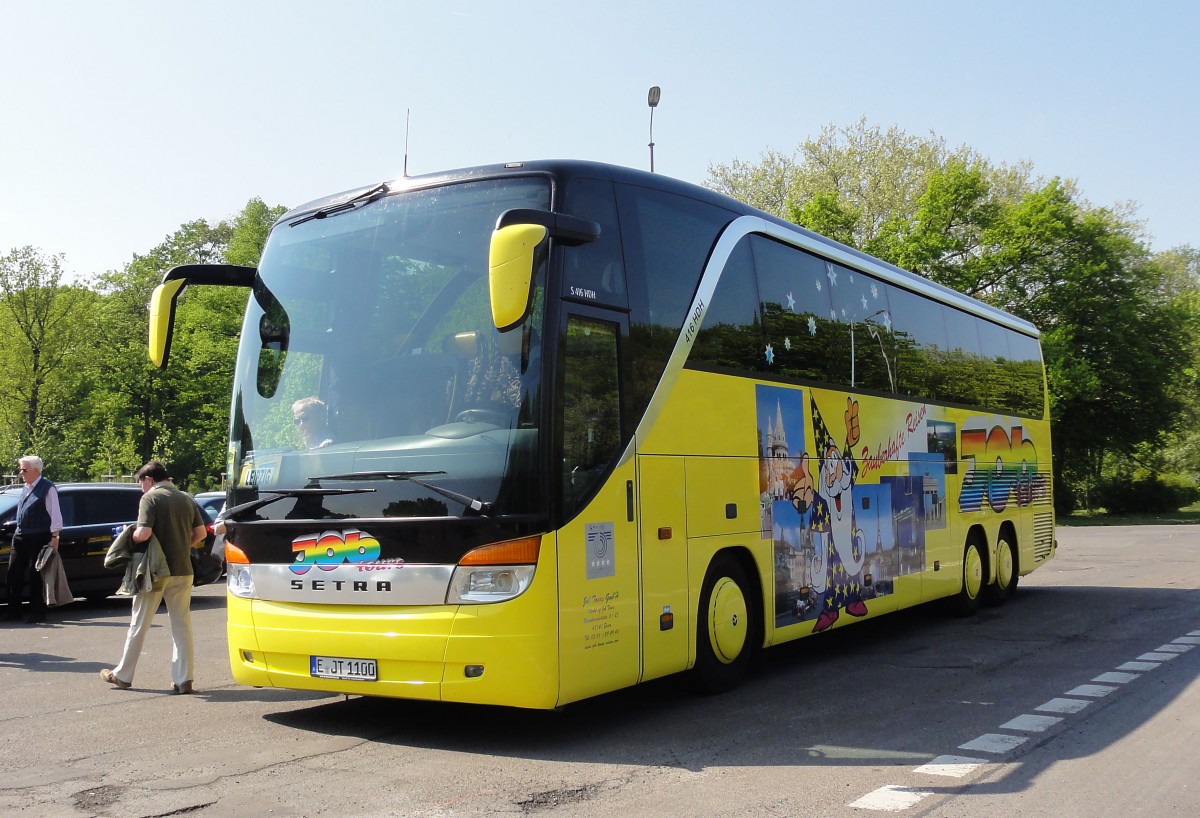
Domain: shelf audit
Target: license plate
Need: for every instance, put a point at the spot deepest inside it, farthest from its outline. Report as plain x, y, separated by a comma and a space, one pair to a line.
333, 667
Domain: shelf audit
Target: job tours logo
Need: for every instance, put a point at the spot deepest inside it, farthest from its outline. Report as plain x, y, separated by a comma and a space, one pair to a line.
330, 549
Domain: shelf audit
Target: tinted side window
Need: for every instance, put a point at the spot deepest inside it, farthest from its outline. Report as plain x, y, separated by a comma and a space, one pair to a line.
1022, 387
732, 333
993, 350
920, 336
861, 306
667, 241
821, 321
105, 506
591, 407
128, 506
594, 272
965, 367
798, 319
67, 507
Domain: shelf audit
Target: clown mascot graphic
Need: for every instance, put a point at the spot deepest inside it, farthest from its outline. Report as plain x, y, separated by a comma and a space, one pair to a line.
828, 505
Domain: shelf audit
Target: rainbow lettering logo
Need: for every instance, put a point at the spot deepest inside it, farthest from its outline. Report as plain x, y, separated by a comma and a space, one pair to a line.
330, 549
1001, 465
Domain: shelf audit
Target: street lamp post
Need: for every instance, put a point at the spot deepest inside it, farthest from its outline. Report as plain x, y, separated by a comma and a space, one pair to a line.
652, 100
874, 334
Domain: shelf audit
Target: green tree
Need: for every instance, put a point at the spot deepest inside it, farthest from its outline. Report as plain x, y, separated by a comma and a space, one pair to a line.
209, 322
147, 405
181, 414
826, 213
75, 382
1114, 352
249, 232
950, 235
767, 184
878, 177
44, 323
1181, 285
1117, 330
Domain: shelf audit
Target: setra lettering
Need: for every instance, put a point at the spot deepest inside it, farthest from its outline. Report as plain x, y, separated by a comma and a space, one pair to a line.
339, 585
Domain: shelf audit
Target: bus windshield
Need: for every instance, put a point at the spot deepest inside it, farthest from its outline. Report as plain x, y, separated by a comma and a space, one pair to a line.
371, 381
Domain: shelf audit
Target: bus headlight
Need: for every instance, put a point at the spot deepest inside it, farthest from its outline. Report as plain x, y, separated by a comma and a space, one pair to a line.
480, 584
240, 580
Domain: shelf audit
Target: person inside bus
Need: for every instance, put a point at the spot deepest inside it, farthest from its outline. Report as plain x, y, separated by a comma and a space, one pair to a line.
503, 385
530, 365
311, 417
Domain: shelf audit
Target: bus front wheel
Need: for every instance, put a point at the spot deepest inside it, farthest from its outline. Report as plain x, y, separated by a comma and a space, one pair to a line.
726, 629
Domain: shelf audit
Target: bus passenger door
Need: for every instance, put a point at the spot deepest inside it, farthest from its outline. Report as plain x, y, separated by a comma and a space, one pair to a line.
665, 614
599, 635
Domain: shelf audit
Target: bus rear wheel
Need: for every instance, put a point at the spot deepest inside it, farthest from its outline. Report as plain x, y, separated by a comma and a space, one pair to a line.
967, 601
1005, 584
726, 628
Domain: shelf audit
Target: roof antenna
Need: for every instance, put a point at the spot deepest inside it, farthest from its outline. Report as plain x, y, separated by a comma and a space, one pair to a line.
407, 114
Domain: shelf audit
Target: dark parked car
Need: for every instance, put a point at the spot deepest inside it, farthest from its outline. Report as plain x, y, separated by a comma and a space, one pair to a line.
213, 502
90, 511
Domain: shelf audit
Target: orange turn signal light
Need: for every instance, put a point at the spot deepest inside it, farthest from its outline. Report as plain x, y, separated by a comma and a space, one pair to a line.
513, 552
235, 555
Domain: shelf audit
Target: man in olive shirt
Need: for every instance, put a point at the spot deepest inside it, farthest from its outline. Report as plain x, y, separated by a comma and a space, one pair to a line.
174, 520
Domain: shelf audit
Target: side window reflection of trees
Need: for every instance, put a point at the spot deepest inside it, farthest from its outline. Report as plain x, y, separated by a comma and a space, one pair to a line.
783, 311
591, 406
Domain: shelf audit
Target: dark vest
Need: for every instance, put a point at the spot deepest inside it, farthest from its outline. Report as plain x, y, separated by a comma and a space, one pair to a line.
32, 516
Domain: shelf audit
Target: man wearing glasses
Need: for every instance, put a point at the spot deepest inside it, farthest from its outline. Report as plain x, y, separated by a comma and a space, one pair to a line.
39, 522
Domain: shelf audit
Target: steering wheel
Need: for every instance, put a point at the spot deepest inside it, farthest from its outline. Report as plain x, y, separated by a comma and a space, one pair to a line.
482, 416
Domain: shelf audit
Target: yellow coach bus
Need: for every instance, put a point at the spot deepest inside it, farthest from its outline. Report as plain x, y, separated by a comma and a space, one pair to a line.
529, 433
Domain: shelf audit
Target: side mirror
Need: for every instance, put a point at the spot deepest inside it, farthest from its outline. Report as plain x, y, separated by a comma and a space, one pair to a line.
510, 272
162, 302
511, 257
162, 320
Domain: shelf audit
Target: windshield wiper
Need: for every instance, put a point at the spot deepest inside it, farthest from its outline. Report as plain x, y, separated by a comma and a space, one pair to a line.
472, 505
341, 207
279, 494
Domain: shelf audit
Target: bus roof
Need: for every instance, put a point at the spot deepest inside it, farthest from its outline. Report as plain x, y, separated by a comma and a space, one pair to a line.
566, 169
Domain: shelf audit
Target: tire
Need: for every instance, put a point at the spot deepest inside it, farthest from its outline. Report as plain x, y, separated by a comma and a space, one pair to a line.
727, 627
966, 603
1005, 584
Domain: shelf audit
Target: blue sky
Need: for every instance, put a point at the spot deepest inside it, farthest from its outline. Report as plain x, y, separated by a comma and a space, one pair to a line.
124, 119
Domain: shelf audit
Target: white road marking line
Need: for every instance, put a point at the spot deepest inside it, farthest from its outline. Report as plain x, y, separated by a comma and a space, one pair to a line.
1116, 678
1064, 705
1175, 648
952, 766
1095, 691
1031, 724
995, 743
891, 799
